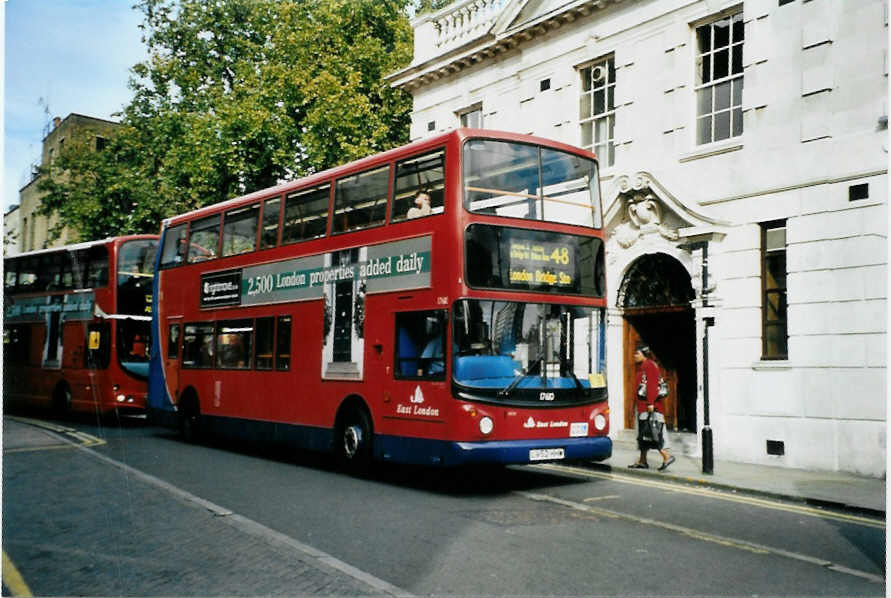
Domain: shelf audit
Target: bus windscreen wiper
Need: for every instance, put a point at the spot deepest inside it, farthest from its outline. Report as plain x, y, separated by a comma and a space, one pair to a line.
510, 387
567, 366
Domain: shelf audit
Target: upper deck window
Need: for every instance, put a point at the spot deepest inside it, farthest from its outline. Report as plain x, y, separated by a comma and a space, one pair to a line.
136, 264
174, 251
204, 238
269, 234
11, 274
306, 214
529, 182
420, 186
60, 270
27, 280
93, 263
360, 200
240, 230
49, 274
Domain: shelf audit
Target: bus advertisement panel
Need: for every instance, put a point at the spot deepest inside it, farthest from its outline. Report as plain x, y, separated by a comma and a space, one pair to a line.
440, 303
76, 328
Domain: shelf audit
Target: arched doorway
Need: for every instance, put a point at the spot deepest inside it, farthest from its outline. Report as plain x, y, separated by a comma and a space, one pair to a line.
655, 297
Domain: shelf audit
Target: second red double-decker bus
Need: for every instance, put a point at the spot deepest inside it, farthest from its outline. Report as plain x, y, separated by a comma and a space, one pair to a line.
77, 324
440, 303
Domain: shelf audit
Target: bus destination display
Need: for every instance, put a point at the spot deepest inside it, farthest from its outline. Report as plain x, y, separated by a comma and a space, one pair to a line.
537, 263
500, 257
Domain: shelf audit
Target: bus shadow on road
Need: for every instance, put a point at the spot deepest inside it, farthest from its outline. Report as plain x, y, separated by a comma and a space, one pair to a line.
472, 480
478, 480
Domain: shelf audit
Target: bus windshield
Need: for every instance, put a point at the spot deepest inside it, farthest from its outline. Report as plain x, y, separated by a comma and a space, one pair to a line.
133, 346
508, 351
136, 264
530, 182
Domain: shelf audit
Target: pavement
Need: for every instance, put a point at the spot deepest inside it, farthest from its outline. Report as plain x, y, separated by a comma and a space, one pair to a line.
113, 531
818, 488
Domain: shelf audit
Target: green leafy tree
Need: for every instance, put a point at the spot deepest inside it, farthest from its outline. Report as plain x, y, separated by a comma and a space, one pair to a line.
237, 96
426, 6
100, 193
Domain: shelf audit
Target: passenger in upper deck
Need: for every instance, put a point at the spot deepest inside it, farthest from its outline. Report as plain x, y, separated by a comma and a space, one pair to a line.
422, 203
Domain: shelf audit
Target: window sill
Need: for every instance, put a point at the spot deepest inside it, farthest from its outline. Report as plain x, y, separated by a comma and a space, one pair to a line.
772, 365
712, 149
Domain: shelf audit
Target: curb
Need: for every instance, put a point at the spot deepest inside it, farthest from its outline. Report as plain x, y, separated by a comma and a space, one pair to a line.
704, 482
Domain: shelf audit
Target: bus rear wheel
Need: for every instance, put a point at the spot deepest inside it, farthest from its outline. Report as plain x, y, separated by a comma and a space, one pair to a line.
354, 440
62, 400
190, 420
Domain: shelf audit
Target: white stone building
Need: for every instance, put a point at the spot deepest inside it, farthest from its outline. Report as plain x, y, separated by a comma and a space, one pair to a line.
754, 132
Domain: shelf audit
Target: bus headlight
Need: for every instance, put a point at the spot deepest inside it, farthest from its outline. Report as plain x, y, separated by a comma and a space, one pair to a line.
600, 421
486, 425
121, 398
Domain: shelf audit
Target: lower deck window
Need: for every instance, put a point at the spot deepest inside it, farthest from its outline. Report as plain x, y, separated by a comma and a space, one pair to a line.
233, 344
264, 344
420, 344
16, 344
198, 345
283, 343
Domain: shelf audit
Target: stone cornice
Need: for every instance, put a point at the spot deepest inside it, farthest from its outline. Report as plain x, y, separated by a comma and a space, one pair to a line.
492, 44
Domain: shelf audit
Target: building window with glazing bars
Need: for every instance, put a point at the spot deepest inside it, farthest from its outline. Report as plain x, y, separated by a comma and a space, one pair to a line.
597, 110
774, 306
719, 79
472, 117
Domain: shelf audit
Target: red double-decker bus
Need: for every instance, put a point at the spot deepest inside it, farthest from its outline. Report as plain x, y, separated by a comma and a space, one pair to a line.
440, 303
76, 328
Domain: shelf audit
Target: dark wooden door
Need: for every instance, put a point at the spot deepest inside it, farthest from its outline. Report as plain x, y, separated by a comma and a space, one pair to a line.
639, 330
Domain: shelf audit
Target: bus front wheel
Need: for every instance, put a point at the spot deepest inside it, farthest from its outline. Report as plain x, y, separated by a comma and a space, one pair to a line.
354, 439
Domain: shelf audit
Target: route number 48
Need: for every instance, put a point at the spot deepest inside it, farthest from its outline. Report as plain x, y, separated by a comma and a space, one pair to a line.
560, 256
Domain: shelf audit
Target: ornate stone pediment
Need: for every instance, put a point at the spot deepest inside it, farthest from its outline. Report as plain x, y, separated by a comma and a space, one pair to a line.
641, 209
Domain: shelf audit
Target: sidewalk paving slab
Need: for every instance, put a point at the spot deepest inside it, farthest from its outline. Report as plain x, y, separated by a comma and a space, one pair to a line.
820, 488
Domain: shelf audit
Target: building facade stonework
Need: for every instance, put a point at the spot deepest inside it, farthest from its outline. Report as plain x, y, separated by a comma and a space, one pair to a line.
743, 150
11, 231
35, 228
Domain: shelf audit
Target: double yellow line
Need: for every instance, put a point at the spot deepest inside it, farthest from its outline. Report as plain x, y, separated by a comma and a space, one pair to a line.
13, 580
79, 438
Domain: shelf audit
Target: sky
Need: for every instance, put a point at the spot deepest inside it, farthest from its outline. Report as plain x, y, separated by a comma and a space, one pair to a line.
61, 56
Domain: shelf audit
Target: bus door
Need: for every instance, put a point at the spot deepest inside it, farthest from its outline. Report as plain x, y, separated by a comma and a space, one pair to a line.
418, 386
171, 357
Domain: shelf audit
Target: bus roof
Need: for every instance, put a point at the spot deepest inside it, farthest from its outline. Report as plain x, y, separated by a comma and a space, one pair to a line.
456, 135
82, 245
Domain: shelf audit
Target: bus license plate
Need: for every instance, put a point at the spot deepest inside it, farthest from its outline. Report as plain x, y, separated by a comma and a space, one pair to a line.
545, 454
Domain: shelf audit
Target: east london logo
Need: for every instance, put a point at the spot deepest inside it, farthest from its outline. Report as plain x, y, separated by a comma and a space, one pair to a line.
416, 400
531, 423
